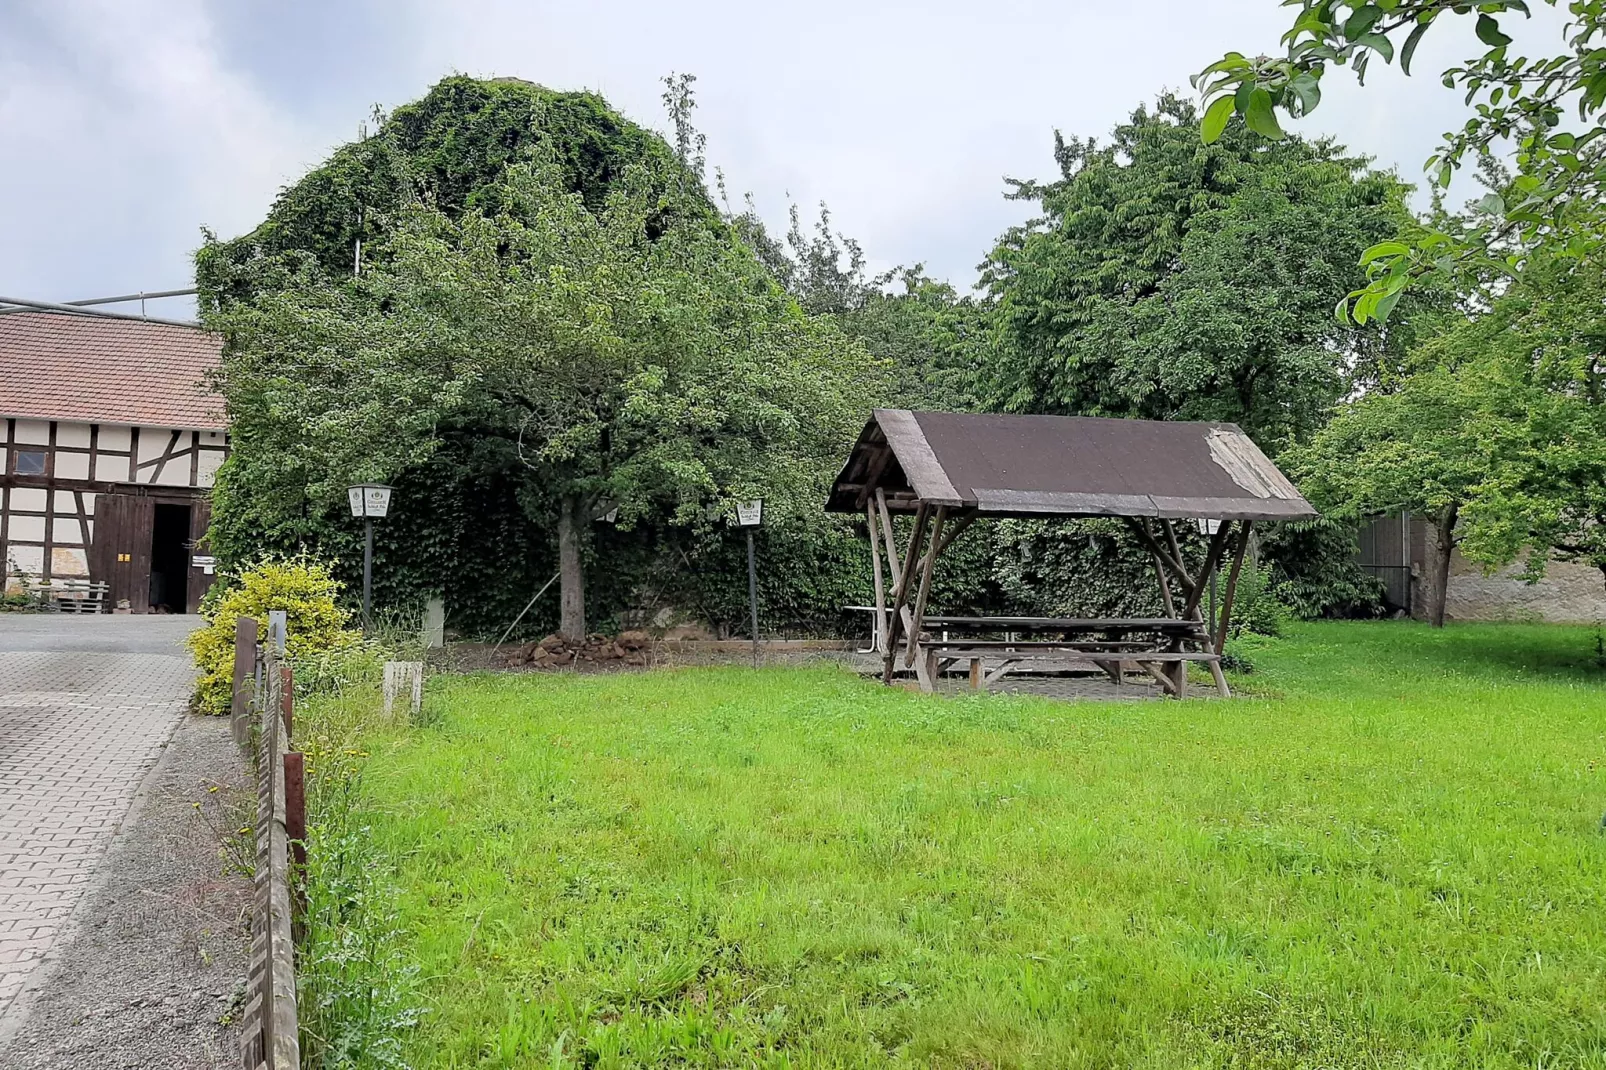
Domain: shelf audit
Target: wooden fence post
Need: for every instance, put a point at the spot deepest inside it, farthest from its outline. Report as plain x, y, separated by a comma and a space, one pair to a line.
295, 805
245, 656
287, 701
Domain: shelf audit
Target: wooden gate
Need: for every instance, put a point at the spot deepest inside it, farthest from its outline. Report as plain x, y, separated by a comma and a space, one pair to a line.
120, 552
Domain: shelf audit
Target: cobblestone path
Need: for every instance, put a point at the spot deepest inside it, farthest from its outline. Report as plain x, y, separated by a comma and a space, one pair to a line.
86, 705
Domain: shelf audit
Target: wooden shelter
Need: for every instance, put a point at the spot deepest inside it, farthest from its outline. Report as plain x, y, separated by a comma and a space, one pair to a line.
946, 469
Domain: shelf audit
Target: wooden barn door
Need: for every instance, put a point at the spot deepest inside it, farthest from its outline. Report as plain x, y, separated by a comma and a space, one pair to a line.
201, 578
120, 555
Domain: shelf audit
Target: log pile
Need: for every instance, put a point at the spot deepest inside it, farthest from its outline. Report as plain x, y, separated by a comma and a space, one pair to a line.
555, 652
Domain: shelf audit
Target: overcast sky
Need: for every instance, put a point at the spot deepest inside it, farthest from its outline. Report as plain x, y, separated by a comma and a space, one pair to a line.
128, 125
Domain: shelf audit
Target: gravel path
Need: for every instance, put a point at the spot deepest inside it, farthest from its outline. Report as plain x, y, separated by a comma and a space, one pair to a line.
150, 969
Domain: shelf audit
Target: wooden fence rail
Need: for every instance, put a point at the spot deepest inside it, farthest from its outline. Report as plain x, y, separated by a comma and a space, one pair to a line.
264, 691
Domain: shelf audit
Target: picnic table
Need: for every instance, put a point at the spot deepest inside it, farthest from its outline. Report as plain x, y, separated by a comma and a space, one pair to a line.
1156, 645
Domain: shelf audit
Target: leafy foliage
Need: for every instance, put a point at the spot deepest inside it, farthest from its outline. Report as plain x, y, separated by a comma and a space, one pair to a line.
301, 586
1555, 201
1170, 280
628, 356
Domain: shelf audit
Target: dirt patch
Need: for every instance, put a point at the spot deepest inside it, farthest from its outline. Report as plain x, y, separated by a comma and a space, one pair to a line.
151, 970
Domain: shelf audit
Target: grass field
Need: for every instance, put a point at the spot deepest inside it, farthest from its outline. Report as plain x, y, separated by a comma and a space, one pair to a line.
1392, 856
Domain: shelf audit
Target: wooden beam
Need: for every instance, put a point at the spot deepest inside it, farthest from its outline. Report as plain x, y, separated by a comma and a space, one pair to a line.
887, 530
1176, 552
872, 473
1141, 527
1232, 584
880, 584
900, 591
1154, 670
928, 566
1218, 542
1165, 587
954, 532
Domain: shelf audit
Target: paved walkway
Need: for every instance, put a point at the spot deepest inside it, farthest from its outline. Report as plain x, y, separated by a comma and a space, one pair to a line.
86, 705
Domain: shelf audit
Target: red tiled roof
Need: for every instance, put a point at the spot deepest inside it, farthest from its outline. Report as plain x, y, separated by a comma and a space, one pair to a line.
60, 366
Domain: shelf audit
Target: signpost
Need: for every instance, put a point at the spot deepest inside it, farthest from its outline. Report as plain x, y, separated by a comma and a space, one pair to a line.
748, 516
369, 501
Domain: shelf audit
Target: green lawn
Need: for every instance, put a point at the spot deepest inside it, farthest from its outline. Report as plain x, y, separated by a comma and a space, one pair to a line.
1392, 857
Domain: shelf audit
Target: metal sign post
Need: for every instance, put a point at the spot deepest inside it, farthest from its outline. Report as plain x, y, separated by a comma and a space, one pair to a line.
749, 515
369, 501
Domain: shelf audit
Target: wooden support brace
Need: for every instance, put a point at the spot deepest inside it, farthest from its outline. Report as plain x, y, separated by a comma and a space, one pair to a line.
954, 532
1163, 677
1232, 584
927, 567
1001, 671
886, 531
1218, 542
900, 615
880, 628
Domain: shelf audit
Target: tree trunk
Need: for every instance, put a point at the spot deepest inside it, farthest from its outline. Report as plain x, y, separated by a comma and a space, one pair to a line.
1444, 537
571, 576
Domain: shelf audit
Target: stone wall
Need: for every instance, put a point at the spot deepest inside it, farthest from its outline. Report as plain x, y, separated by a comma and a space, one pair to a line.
1569, 594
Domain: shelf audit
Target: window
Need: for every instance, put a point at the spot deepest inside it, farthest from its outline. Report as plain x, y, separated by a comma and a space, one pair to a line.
30, 463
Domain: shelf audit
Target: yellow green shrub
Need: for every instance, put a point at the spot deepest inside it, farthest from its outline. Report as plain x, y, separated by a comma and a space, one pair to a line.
300, 586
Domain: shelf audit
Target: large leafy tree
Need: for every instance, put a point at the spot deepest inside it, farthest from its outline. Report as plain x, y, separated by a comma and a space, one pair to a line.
1415, 449
1167, 279
1548, 107
632, 354
1498, 433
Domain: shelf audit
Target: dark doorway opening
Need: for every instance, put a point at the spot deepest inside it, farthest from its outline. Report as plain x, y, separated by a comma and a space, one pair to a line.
170, 559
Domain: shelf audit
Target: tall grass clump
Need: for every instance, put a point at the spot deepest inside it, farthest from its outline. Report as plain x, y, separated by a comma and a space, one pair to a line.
354, 986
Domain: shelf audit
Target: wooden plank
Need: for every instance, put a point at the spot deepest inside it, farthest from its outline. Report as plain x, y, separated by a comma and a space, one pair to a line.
295, 805
1086, 657
916, 458
1089, 624
1000, 672
1177, 561
975, 674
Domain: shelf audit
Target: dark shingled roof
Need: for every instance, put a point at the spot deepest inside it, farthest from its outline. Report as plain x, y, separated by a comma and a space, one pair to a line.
61, 366
1002, 465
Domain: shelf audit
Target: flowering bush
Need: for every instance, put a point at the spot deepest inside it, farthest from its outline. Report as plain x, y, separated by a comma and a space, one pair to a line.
302, 587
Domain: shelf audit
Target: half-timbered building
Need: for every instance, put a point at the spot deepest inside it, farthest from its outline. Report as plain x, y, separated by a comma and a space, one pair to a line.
111, 440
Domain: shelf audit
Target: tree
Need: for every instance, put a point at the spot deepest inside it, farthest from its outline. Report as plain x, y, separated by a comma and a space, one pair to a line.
1127, 298
1416, 449
1540, 354
1555, 201
633, 353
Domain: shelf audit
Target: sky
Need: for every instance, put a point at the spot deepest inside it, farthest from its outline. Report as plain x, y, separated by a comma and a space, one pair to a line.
128, 126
